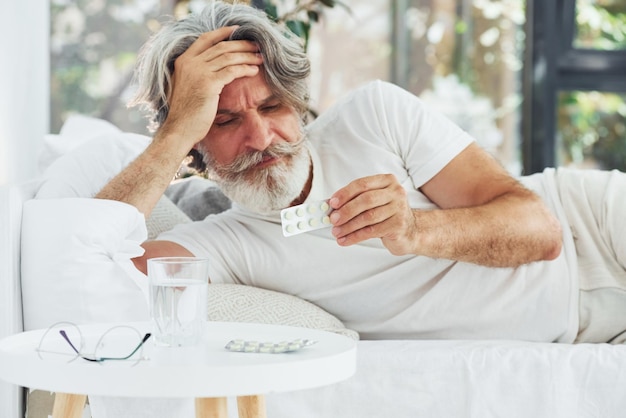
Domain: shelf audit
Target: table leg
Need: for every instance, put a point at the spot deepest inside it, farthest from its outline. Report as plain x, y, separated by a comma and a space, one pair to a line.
67, 405
211, 408
251, 406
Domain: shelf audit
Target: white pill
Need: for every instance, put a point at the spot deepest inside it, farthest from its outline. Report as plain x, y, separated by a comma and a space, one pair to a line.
305, 217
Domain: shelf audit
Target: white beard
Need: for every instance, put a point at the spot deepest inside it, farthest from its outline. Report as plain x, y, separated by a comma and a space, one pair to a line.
264, 190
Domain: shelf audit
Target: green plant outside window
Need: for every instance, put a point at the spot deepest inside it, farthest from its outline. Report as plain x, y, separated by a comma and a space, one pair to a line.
600, 24
592, 130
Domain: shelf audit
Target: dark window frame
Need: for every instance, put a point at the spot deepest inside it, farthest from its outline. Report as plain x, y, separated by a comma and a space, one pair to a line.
551, 65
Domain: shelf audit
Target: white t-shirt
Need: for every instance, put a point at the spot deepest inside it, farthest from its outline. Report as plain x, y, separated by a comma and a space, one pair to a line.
381, 128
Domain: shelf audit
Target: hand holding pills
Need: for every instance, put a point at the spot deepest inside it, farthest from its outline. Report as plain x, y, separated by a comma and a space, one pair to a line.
374, 207
369, 207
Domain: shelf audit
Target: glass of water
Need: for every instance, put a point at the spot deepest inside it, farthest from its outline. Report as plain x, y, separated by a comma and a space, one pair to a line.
178, 299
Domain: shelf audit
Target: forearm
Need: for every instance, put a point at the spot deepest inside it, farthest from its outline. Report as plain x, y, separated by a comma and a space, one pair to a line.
511, 230
144, 181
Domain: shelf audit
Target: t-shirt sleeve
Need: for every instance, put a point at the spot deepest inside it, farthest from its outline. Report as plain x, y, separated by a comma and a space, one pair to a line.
425, 139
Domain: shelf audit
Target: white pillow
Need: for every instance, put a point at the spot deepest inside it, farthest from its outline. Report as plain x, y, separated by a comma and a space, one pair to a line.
164, 217
76, 130
239, 303
93, 152
87, 168
76, 262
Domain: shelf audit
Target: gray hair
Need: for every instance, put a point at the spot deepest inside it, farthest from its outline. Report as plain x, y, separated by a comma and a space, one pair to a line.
286, 65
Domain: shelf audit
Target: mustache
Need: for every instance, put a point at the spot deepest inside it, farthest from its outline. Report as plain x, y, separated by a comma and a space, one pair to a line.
250, 160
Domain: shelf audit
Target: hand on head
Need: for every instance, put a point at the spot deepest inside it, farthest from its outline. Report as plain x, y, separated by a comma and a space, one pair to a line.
200, 74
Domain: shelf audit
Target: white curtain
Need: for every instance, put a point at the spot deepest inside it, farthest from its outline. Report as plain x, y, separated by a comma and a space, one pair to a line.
24, 112
24, 87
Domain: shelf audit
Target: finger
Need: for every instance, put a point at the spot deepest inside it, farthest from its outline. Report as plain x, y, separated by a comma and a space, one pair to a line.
378, 230
233, 59
229, 74
243, 52
367, 222
392, 230
360, 205
358, 236
209, 39
359, 186
212, 89
228, 47
214, 75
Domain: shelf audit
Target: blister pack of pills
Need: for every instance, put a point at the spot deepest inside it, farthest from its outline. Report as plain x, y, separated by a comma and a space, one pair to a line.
305, 217
243, 346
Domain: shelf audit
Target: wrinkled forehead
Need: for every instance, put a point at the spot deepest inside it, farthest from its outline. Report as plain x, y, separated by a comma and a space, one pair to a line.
244, 93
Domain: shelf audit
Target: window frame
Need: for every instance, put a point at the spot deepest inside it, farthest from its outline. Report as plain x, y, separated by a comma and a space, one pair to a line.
552, 64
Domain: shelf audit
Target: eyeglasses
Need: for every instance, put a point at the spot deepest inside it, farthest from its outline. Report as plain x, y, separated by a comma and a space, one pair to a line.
117, 343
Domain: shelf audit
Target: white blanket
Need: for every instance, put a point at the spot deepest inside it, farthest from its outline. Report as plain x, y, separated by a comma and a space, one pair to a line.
445, 379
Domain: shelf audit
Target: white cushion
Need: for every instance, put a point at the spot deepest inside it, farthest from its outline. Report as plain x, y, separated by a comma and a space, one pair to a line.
86, 155
239, 303
164, 217
87, 168
80, 270
77, 130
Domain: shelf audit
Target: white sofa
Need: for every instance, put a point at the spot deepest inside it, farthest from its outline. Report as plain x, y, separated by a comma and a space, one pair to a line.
394, 378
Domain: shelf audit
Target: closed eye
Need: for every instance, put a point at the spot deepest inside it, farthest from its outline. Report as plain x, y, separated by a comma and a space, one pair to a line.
271, 107
225, 122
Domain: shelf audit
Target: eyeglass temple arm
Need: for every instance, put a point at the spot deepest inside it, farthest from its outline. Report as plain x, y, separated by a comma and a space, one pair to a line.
66, 338
145, 338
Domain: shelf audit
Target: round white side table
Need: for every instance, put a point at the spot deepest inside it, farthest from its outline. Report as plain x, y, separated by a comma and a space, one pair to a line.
208, 372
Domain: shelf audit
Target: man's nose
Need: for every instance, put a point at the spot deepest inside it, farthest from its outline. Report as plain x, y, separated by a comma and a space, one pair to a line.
258, 132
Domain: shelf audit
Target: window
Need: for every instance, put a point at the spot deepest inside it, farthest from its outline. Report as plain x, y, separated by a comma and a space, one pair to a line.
463, 57
591, 130
537, 83
575, 106
93, 48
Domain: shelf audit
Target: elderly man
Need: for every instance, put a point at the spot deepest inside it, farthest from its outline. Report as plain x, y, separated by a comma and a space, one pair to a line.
430, 237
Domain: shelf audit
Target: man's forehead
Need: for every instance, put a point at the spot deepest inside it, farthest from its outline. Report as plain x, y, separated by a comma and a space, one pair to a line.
245, 92
234, 108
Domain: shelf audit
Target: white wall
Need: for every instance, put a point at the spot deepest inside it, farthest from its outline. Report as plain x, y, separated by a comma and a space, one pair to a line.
24, 87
